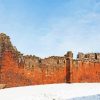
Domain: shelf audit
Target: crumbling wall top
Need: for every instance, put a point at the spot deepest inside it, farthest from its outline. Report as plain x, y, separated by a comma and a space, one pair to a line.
92, 57
69, 55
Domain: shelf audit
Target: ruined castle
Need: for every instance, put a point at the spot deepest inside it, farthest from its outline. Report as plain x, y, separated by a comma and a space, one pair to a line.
17, 69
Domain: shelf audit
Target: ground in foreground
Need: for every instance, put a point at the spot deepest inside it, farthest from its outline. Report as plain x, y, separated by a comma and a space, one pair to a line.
76, 91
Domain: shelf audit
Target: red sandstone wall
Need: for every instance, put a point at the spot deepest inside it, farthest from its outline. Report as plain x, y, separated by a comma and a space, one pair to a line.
14, 75
19, 70
85, 71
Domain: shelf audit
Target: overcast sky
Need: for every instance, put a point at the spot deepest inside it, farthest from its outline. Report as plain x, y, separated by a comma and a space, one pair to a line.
52, 27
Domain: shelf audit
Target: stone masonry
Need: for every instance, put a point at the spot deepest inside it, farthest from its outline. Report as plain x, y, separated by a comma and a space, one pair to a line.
17, 69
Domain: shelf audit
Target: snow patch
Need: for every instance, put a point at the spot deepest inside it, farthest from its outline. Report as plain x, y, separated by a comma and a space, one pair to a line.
50, 92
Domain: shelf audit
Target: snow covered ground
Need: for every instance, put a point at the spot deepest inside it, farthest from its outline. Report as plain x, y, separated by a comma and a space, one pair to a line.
52, 92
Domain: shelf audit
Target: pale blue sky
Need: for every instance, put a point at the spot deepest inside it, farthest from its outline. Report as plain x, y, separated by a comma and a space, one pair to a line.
52, 27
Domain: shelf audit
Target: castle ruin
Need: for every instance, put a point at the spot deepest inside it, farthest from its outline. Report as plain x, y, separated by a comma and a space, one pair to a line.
17, 69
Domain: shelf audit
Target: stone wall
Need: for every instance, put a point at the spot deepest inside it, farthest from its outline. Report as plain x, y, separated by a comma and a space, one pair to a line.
17, 69
32, 70
86, 68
